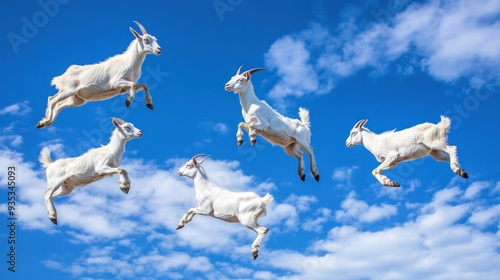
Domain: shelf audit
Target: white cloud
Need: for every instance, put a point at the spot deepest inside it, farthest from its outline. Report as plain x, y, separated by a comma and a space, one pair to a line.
219, 127
16, 109
358, 210
344, 174
11, 140
475, 188
449, 40
450, 249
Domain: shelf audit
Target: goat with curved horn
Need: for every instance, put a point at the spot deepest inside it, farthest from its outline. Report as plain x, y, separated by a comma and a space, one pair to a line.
392, 147
93, 82
261, 119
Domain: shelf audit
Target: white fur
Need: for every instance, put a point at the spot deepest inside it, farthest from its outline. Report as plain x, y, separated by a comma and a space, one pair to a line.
100, 81
262, 119
393, 147
64, 175
234, 207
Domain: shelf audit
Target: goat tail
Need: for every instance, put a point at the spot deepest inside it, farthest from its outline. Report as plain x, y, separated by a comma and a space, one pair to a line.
304, 116
268, 198
45, 158
444, 126
261, 210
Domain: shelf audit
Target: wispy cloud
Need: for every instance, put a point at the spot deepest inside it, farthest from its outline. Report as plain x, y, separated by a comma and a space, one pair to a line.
435, 244
16, 109
219, 127
449, 40
353, 209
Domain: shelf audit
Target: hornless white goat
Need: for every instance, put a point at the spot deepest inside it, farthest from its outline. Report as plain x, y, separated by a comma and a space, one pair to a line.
262, 119
234, 207
64, 175
116, 75
393, 147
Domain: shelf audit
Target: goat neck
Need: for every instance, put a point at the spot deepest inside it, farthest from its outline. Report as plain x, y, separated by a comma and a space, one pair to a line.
116, 143
369, 139
248, 97
134, 56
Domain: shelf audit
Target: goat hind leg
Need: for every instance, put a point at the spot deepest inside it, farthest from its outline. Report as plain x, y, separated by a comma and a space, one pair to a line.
293, 150
56, 190
312, 165
454, 165
72, 101
52, 102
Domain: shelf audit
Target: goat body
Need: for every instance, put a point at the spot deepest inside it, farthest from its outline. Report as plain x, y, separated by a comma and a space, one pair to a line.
100, 81
234, 207
262, 119
393, 147
64, 175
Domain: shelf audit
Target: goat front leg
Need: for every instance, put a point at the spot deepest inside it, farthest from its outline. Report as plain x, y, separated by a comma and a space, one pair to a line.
387, 164
189, 216
239, 133
253, 127
123, 180
148, 98
127, 86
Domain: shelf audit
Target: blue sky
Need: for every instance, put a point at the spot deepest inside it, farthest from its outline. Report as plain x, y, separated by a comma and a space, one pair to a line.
396, 63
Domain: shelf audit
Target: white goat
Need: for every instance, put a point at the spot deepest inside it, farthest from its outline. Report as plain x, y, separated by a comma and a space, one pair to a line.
116, 75
393, 147
262, 119
233, 207
64, 175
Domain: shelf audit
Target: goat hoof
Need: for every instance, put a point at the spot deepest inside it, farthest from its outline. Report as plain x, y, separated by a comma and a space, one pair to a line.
302, 177
255, 254
316, 177
40, 124
240, 142
150, 106
54, 220
464, 174
179, 227
127, 103
395, 184
253, 142
125, 190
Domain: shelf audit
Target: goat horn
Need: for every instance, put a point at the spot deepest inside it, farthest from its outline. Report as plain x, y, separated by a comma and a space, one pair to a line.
358, 124
143, 30
203, 159
251, 71
198, 155
239, 69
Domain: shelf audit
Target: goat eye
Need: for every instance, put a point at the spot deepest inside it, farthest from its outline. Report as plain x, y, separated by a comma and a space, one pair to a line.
146, 41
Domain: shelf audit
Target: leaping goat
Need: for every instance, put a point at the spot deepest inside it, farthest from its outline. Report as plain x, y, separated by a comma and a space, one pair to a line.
393, 147
116, 75
262, 119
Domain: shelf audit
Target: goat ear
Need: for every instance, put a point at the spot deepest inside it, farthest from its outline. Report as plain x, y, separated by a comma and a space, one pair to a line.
135, 33
363, 123
115, 122
195, 162
247, 75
